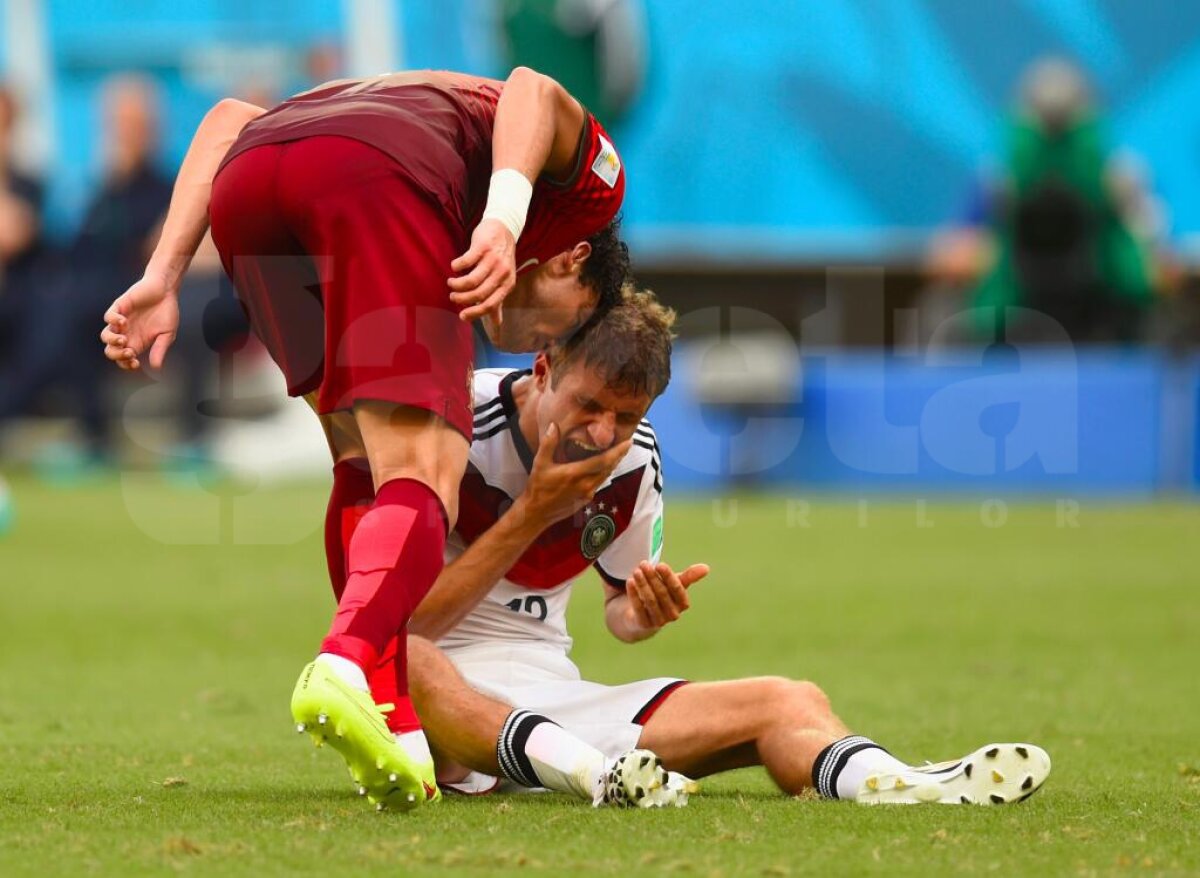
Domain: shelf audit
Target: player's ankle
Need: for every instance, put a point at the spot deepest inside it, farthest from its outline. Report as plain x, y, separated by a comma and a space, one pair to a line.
345, 670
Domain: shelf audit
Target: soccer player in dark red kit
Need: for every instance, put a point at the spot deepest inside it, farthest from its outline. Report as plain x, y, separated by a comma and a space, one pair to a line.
364, 224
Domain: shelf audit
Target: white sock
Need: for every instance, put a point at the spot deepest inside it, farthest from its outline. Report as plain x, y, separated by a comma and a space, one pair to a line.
533, 751
347, 671
861, 765
841, 768
416, 745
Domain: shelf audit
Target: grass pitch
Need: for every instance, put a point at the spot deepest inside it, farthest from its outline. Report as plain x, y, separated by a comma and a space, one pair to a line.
144, 685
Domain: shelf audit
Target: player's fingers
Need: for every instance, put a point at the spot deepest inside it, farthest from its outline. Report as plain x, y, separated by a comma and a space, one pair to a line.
548, 445
679, 595
120, 355
649, 599
467, 260
467, 282
115, 314
492, 304
693, 574
636, 604
498, 282
663, 603
158, 350
110, 336
476, 294
604, 463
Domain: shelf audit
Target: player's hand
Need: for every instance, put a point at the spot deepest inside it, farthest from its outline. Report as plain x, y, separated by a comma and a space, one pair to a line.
143, 320
487, 272
558, 490
658, 595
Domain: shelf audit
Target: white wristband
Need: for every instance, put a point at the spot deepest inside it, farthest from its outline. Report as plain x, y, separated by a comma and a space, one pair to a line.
509, 194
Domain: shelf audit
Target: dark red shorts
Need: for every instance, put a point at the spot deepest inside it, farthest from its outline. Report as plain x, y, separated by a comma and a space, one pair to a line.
342, 265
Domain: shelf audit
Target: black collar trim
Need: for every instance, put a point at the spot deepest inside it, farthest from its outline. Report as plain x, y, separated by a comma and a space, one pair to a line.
514, 417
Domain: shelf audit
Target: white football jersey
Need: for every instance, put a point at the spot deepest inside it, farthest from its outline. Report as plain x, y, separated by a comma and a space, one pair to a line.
620, 528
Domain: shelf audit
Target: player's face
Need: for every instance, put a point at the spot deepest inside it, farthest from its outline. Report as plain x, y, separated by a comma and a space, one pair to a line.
591, 416
548, 303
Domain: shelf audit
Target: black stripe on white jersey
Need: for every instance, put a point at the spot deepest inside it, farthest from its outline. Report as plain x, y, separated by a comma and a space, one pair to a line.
487, 414
495, 427
494, 403
655, 461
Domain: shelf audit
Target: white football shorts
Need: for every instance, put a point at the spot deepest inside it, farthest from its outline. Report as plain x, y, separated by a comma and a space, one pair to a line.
546, 681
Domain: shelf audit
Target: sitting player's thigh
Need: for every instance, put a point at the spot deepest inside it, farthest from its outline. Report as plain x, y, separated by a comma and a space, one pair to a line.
709, 727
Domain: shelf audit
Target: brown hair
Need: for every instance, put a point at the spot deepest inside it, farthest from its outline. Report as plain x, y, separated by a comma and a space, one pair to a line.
629, 344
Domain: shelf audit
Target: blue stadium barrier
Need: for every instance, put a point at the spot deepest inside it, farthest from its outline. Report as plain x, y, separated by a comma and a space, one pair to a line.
1087, 422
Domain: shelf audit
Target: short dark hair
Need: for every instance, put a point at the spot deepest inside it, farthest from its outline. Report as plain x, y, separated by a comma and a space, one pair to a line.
607, 267
629, 345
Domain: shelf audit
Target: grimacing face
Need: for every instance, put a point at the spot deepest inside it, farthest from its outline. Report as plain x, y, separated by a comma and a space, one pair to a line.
548, 303
591, 416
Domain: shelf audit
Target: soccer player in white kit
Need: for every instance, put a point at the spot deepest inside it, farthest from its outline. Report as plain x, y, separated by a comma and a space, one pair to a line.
498, 609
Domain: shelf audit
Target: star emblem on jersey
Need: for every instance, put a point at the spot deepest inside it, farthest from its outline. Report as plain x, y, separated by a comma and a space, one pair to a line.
597, 534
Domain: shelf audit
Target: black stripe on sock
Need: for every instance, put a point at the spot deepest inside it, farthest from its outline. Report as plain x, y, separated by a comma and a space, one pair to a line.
510, 747
503, 750
830, 762
520, 738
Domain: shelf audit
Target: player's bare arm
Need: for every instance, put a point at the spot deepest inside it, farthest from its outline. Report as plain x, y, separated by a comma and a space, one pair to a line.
146, 316
654, 596
537, 130
555, 491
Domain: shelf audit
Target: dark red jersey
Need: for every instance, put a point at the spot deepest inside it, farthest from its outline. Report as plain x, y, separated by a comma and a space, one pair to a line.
437, 127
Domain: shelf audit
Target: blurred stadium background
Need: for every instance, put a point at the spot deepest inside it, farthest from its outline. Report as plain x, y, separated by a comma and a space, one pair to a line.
821, 190
936, 263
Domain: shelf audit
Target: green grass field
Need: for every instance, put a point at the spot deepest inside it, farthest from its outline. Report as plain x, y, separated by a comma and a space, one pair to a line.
144, 687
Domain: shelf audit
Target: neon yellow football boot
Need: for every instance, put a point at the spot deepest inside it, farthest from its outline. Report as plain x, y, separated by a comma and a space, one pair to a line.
346, 718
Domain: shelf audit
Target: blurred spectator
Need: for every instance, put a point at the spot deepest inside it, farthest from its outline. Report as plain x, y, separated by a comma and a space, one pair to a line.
595, 48
20, 228
58, 338
1064, 231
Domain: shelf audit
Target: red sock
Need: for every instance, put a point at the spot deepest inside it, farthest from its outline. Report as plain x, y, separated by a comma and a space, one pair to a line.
387, 688
392, 559
351, 497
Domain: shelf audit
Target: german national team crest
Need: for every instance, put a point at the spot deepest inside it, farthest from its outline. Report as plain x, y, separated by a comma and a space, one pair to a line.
597, 534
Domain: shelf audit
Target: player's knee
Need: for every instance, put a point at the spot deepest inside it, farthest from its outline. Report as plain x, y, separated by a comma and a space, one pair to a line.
799, 700
776, 691
809, 696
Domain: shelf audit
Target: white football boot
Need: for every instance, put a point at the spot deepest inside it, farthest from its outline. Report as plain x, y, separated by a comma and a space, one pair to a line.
637, 779
997, 774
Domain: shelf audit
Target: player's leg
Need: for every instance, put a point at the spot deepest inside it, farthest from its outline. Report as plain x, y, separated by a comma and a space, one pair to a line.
392, 558
704, 728
473, 733
350, 497
339, 332
789, 727
396, 355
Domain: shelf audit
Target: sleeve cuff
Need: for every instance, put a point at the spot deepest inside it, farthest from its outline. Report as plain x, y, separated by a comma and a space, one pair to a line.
609, 578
